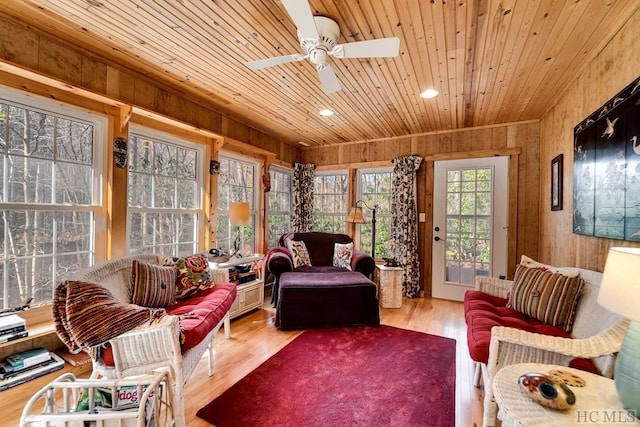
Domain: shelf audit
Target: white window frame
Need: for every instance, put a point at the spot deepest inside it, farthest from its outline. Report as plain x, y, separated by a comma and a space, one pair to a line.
367, 210
97, 206
342, 214
170, 139
255, 203
289, 212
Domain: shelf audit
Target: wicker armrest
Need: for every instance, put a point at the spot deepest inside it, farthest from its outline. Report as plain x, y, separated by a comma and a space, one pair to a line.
493, 286
510, 346
148, 347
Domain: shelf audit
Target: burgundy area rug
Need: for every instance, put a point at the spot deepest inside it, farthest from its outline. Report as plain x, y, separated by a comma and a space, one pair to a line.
360, 376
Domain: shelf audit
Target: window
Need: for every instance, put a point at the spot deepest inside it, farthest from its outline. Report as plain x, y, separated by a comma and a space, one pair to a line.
374, 188
330, 202
237, 183
50, 196
164, 195
280, 207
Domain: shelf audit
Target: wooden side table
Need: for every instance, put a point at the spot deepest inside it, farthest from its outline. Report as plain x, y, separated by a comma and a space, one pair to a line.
389, 280
597, 402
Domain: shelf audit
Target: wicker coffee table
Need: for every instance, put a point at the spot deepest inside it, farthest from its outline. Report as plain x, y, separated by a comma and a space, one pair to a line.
597, 402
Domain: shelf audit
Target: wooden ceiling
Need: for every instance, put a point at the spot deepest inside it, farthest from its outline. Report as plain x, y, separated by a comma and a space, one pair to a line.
493, 61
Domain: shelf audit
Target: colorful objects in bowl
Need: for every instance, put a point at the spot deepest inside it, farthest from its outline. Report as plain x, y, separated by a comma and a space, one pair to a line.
545, 391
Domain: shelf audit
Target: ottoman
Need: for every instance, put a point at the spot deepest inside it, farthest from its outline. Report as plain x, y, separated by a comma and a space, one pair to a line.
326, 300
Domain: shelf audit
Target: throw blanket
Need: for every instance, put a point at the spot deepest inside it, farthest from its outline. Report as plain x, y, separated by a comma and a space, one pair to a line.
87, 315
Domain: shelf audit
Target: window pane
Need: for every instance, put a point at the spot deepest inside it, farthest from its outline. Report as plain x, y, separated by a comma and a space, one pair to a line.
163, 177
236, 183
74, 184
280, 208
47, 161
375, 190
330, 203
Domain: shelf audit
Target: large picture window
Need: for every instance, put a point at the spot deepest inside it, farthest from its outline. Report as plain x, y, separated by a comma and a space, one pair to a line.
50, 196
280, 208
330, 202
165, 195
237, 183
374, 189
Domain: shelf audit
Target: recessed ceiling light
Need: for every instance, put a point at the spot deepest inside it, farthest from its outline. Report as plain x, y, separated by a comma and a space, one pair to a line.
429, 93
326, 113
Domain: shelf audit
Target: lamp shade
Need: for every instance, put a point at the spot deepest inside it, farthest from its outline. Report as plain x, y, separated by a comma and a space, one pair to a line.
239, 213
620, 286
355, 215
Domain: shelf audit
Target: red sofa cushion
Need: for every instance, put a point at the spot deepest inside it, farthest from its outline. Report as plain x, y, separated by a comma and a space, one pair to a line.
483, 311
209, 307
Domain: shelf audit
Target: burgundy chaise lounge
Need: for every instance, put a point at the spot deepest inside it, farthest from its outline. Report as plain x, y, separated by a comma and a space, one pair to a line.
321, 295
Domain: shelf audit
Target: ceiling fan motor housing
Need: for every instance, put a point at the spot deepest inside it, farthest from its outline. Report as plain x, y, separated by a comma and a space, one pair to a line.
329, 32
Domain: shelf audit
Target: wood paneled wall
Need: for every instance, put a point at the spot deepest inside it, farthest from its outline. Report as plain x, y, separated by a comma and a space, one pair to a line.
617, 65
35, 50
520, 140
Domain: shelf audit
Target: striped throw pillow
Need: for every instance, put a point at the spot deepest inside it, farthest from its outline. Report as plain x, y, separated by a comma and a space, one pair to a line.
153, 285
549, 297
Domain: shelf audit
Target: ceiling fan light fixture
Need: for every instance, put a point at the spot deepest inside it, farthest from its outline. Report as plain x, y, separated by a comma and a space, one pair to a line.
303, 143
326, 113
429, 93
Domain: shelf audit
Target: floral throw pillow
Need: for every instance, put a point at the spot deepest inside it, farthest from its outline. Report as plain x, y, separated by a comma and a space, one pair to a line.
299, 253
342, 253
193, 274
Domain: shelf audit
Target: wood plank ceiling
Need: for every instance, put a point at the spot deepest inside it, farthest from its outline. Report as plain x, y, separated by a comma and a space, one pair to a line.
493, 61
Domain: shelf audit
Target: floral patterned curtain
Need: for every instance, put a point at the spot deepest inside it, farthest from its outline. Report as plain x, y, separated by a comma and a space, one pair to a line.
302, 218
405, 222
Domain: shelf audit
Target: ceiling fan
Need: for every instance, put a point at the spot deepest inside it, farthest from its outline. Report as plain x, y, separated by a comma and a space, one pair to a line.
318, 37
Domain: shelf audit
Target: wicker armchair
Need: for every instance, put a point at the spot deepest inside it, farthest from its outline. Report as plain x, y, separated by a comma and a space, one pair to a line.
149, 346
597, 334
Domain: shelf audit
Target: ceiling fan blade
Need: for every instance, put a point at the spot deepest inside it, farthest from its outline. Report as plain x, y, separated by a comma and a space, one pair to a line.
301, 15
377, 48
270, 62
329, 80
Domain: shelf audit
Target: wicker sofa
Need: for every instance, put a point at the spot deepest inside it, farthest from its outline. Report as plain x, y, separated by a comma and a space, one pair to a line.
158, 344
498, 336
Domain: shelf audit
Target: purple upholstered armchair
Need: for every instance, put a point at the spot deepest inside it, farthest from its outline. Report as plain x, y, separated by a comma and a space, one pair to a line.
320, 247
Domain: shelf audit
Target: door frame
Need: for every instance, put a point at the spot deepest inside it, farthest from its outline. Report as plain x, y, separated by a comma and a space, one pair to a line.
455, 289
512, 217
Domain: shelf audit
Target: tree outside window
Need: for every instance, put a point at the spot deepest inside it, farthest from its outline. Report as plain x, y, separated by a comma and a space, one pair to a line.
164, 194
330, 202
49, 198
374, 188
280, 207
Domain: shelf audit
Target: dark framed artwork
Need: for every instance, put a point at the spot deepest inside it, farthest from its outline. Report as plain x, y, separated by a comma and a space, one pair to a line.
556, 183
606, 169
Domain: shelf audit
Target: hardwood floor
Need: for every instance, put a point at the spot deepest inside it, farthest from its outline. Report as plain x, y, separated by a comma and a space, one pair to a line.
254, 338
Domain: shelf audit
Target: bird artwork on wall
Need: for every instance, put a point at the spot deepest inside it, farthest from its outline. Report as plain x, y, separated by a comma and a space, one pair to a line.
635, 145
608, 132
606, 169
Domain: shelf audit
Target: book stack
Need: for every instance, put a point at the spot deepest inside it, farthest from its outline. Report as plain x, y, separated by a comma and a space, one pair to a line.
27, 365
233, 276
12, 327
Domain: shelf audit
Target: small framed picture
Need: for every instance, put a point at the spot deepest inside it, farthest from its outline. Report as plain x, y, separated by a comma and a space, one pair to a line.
556, 183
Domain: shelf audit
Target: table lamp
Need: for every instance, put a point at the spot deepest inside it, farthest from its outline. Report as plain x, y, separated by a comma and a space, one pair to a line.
239, 215
356, 217
620, 293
